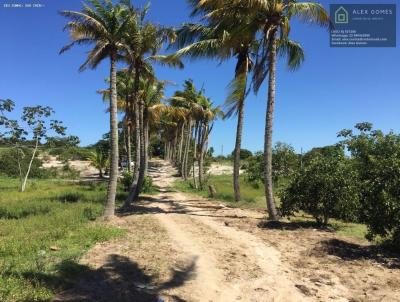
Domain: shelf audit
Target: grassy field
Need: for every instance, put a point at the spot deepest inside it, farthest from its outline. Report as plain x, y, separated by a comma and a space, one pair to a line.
43, 232
253, 197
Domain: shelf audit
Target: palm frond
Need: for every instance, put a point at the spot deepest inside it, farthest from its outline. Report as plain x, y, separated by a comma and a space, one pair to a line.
292, 50
236, 95
309, 12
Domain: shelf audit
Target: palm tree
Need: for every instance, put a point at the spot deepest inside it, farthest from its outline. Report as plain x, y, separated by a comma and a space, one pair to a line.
209, 114
102, 24
271, 21
186, 111
223, 38
144, 40
124, 104
275, 16
99, 160
151, 92
191, 115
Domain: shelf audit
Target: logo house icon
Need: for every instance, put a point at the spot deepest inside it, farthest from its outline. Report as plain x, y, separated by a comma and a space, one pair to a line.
341, 16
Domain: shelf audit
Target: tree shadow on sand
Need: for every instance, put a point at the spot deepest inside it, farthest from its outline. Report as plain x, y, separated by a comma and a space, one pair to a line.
188, 207
348, 251
293, 225
118, 280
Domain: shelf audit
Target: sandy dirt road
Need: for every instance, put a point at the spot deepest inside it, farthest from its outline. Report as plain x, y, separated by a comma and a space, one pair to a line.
184, 248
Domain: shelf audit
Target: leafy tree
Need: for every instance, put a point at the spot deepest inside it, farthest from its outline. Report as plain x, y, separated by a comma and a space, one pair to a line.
11, 159
63, 142
333, 151
285, 162
36, 125
5, 106
377, 160
210, 152
243, 154
254, 169
103, 25
325, 187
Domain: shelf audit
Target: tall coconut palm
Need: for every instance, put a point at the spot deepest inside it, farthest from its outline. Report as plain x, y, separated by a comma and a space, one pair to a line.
103, 25
275, 29
271, 18
232, 35
186, 102
153, 93
209, 114
124, 105
144, 40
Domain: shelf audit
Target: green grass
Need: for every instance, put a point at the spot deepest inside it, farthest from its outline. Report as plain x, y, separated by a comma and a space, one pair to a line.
254, 198
49, 214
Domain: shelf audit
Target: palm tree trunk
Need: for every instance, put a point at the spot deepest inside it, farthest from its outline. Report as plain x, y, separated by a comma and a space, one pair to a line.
272, 212
128, 133
186, 150
196, 129
201, 154
236, 156
142, 170
181, 142
146, 144
128, 145
133, 187
112, 183
183, 168
243, 65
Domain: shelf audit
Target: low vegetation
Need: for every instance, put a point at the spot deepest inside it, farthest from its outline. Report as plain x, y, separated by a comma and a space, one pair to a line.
44, 231
252, 197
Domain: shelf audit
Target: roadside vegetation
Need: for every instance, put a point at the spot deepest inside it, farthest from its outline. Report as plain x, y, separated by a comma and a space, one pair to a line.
44, 231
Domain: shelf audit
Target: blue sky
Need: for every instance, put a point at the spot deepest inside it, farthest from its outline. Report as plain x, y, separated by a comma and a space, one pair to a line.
334, 89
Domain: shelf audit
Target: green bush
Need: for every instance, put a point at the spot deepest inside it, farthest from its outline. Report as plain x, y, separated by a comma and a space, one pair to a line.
72, 153
254, 169
377, 160
244, 154
126, 180
147, 185
9, 163
325, 188
285, 162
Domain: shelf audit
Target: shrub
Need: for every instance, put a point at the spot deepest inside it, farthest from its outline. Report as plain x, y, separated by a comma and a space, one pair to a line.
147, 185
126, 180
377, 160
324, 188
9, 163
72, 153
254, 169
244, 154
69, 172
285, 162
